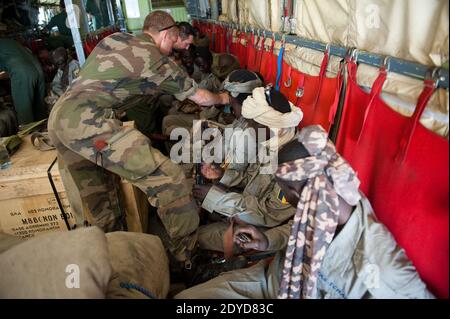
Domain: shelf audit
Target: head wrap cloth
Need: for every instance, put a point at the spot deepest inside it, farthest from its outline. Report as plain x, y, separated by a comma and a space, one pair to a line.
283, 125
327, 175
236, 88
255, 107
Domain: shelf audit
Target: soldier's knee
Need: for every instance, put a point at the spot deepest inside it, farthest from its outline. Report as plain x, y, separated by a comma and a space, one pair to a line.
210, 236
180, 220
169, 123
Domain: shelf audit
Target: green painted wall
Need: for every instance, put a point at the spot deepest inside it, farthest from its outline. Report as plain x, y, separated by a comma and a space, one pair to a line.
135, 24
178, 13
145, 7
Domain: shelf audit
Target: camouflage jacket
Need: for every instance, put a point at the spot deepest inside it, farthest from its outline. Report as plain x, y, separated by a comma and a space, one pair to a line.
121, 70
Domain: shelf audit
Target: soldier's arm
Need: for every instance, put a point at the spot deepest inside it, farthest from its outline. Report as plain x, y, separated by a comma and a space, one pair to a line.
183, 87
206, 98
267, 210
189, 90
274, 239
278, 237
235, 176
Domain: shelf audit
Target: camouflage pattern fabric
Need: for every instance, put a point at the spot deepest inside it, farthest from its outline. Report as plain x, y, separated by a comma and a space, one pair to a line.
121, 70
317, 214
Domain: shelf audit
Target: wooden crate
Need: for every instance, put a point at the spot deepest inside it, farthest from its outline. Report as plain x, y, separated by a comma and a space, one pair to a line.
28, 206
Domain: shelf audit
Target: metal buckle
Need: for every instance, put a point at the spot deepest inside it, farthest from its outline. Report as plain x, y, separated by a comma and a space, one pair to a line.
434, 75
355, 55
386, 64
328, 48
300, 92
288, 84
352, 54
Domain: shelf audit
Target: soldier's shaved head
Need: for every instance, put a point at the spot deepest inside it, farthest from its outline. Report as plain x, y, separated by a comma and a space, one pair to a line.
163, 29
158, 21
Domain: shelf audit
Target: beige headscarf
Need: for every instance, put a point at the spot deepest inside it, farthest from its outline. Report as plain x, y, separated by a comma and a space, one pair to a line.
236, 88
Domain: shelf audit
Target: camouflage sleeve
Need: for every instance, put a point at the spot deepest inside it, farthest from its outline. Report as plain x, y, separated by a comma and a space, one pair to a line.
267, 210
179, 84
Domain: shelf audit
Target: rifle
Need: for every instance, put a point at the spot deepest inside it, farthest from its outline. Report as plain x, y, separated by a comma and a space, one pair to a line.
199, 179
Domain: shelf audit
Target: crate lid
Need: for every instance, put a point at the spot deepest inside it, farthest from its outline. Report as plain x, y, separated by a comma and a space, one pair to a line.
27, 175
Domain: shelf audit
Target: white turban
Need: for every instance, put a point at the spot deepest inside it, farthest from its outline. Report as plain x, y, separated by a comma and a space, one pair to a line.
237, 88
255, 107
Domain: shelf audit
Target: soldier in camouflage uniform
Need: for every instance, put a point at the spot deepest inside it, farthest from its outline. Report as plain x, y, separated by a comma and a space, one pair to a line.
333, 247
93, 143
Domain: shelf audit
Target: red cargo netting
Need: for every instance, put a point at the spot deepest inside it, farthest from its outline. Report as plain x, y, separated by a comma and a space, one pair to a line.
404, 171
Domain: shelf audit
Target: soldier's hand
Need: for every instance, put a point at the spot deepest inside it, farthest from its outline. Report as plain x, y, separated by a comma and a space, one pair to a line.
257, 239
200, 191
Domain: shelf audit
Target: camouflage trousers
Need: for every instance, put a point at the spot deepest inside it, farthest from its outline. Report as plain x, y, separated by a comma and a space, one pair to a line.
78, 134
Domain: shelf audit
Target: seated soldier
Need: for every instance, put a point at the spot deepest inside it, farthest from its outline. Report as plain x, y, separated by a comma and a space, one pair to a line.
223, 64
200, 71
256, 199
187, 59
67, 71
208, 80
333, 248
239, 86
203, 60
